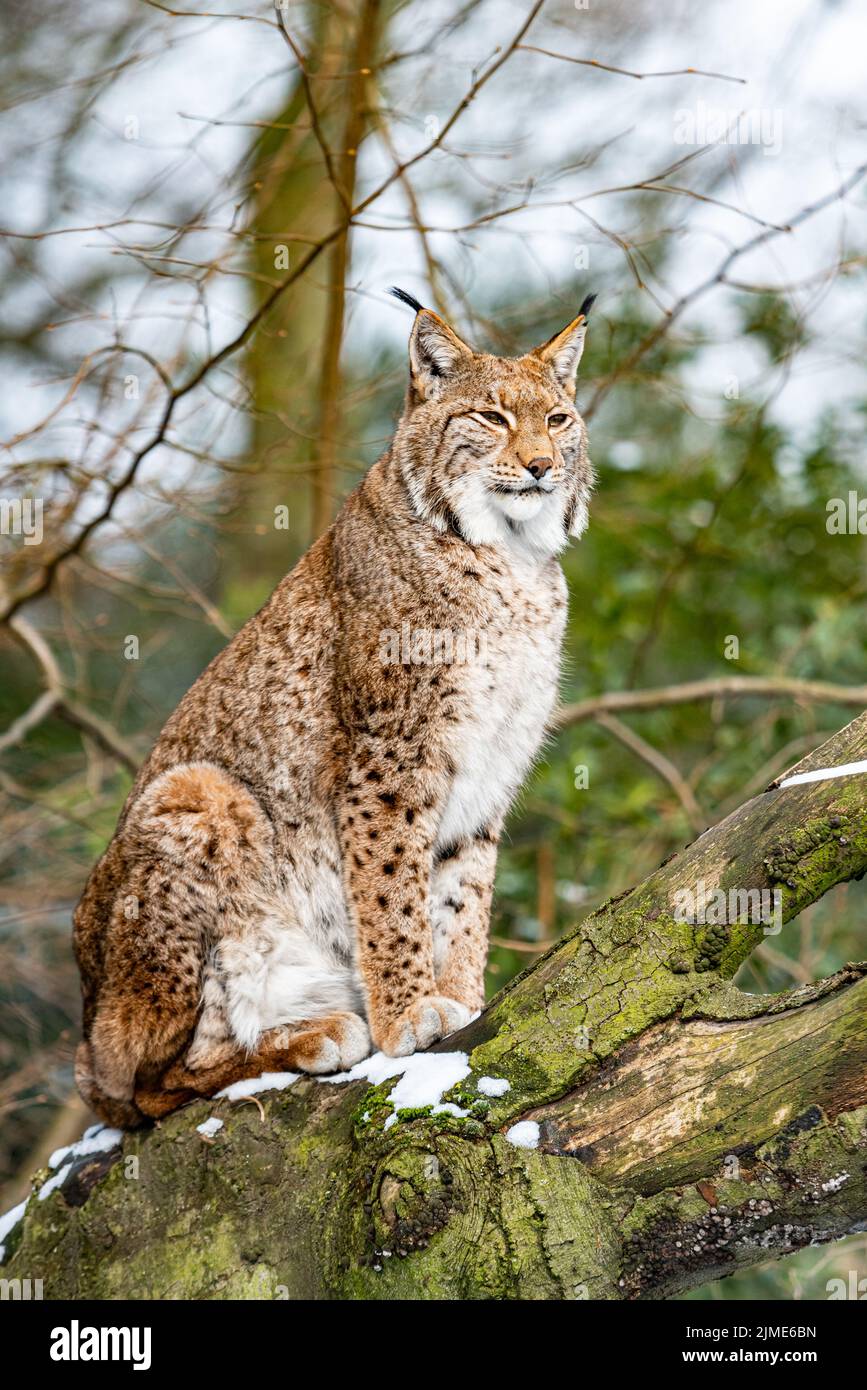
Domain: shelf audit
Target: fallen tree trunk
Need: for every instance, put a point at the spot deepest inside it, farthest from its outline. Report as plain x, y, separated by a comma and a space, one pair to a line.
670, 1129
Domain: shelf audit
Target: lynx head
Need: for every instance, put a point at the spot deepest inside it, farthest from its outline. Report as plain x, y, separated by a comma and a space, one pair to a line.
493, 448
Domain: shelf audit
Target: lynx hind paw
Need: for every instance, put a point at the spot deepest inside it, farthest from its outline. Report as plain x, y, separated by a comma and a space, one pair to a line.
426, 1021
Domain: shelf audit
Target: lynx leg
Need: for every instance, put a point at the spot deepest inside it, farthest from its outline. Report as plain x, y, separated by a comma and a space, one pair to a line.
463, 882
119, 1112
195, 841
319, 1046
388, 828
147, 1004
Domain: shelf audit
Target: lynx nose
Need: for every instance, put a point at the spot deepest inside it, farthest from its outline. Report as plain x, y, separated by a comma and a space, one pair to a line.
538, 467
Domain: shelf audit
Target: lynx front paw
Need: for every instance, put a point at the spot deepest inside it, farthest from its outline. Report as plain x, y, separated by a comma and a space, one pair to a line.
426, 1021
331, 1044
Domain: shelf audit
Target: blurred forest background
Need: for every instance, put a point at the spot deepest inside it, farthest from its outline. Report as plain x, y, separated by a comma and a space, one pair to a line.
201, 217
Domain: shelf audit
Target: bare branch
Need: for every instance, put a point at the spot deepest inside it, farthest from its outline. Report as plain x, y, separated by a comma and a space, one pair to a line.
693, 692
660, 764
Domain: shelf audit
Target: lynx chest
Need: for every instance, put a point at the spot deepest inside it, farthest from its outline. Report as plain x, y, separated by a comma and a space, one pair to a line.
507, 689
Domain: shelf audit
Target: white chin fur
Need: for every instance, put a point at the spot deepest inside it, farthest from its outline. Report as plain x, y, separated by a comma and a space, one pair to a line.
530, 525
521, 506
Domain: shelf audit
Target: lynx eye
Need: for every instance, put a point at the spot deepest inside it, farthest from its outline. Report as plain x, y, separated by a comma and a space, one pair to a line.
557, 420
494, 417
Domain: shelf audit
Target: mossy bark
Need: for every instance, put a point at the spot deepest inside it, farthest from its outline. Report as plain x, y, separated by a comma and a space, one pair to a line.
685, 1129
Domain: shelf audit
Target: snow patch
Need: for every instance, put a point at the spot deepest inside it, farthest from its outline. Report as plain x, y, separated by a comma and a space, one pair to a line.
57, 1180
268, 1081
8, 1221
824, 774
96, 1140
494, 1085
423, 1079
524, 1135
210, 1127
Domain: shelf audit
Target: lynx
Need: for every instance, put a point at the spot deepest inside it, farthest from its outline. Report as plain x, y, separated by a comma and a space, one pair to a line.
303, 869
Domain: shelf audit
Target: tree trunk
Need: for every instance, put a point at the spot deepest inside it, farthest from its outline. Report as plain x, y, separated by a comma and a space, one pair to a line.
681, 1128
326, 486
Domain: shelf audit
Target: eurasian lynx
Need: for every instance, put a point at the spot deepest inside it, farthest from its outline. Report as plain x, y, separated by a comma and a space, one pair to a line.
305, 861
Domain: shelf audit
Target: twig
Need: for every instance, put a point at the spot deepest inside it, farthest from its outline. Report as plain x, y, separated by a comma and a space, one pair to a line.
686, 300
530, 947
316, 124
55, 700
627, 72
693, 692
660, 764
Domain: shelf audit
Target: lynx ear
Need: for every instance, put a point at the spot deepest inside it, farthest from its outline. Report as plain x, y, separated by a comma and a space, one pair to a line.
563, 351
435, 351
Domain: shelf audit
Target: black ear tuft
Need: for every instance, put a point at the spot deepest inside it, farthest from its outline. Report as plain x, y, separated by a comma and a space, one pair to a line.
406, 298
585, 307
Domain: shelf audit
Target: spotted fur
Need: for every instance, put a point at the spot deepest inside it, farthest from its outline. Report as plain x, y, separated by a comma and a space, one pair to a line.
304, 866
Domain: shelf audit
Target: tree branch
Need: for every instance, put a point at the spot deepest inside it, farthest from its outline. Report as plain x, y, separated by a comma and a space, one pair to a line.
660, 764
55, 700
693, 692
